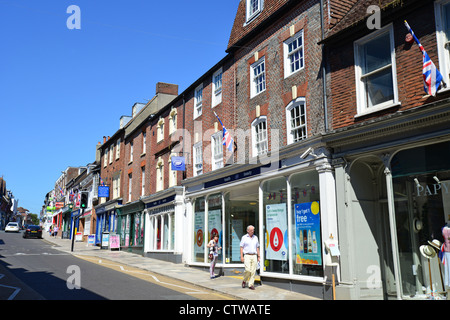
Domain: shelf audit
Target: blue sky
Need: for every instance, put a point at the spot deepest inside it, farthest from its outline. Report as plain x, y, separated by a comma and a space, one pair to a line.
62, 90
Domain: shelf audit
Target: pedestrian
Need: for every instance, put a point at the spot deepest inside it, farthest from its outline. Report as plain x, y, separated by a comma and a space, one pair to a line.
214, 248
50, 230
249, 256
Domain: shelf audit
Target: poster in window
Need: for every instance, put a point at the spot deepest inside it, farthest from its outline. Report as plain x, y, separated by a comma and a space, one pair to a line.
276, 225
307, 233
199, 233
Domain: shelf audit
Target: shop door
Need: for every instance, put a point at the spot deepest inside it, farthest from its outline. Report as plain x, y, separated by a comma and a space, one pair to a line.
371, 235
241, 210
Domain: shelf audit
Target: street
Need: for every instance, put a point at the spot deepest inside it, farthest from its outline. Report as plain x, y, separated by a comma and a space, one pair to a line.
32, 269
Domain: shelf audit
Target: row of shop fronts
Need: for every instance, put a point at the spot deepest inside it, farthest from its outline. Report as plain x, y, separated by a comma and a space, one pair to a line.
378, 197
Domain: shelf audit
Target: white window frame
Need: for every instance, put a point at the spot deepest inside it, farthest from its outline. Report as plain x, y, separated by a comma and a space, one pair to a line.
142, 181
130, 184
287, 55
111, 153
105, 157
251, 14
301, 103
160, 175
197, 153
255, 82
256, 137
118, 149
361, 95
198, 101
217, 87
160, 130
217, 151
443, 42
116, 186
172, 121
131, 151
172, 173
144, 142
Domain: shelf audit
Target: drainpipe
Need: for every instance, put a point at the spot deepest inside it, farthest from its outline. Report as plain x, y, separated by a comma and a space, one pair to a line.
324, 71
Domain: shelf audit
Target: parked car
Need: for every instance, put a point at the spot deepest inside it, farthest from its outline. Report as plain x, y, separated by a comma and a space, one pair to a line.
33, 232
12, 227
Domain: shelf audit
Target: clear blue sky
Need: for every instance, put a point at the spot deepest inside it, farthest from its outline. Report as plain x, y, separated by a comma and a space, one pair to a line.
62, 90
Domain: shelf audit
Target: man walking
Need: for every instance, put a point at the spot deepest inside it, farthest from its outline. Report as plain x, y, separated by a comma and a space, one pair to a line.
249, 256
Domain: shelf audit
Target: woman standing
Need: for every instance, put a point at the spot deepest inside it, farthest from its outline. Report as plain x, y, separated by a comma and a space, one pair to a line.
213, 246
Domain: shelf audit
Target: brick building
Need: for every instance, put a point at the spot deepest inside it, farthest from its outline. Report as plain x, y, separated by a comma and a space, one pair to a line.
272, 105
391, 142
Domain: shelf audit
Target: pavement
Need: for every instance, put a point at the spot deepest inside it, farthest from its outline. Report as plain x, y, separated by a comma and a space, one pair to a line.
229, 285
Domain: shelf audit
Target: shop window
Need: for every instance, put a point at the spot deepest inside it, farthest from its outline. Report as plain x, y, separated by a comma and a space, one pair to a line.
305, 255
421, 182
162, 229
275, 225
199, 230
215, 219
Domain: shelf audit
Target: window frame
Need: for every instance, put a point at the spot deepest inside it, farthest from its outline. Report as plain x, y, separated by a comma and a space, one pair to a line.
197, 156
198, 101
287, 54
443, 41
299, 102
216, 138
361, 94
256, 134
254, 84
251, 15
216, 90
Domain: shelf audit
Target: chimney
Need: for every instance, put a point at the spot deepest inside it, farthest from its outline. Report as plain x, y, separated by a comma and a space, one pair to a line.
167, 88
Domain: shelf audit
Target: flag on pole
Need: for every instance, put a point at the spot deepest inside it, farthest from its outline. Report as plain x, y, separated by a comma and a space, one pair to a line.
227, 141
432, 78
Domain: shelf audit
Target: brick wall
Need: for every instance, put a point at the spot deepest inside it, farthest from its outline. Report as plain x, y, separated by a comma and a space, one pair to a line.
342, 101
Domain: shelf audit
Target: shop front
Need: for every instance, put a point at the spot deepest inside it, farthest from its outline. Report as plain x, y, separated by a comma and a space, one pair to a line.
421, 184
292, 208
130, 226
107, 219
164, 225
393, 206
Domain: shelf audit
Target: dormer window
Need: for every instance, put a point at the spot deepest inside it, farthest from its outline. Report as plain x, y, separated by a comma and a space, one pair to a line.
254, 7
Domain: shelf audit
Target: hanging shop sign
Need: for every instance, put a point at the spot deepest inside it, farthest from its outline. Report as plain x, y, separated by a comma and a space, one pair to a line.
307, 235
103, 191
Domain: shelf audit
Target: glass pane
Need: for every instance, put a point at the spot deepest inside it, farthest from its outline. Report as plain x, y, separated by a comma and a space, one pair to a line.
379, 87
377, 53
199, 230
275, 225
215, 220
306, 257
422, 212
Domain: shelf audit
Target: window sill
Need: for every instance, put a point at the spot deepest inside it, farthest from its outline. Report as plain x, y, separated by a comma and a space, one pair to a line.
382, 107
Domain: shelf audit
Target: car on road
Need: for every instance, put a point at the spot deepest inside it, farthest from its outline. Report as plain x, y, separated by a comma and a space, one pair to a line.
12, 227
33, 232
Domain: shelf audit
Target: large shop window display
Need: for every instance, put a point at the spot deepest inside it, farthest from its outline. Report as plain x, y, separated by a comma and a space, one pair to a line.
421, 181
303, 254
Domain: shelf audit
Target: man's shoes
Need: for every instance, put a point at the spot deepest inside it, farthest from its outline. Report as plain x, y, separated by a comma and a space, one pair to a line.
243, 284
251, 288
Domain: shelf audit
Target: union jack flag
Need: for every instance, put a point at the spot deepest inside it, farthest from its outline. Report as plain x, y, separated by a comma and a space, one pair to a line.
227, 141
432, 78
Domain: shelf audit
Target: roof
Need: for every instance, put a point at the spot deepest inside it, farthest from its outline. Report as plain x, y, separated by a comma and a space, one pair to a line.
241, 28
